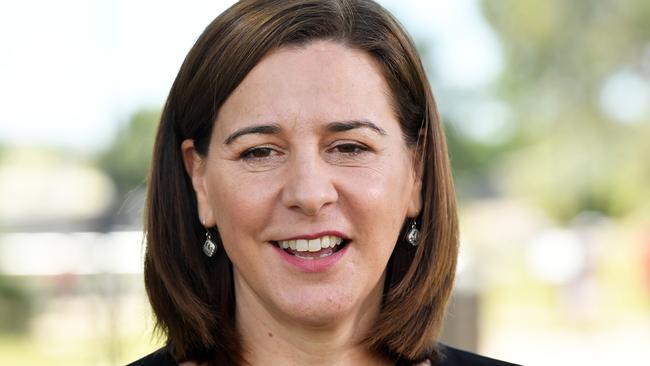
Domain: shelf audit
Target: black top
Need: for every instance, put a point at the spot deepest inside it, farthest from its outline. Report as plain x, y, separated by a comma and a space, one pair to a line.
456, 357
452, 357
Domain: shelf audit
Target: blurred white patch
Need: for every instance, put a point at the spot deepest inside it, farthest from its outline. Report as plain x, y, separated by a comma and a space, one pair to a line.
625, 97
38, 187
466, 49
556, 256
486, 121
78, 253
71, 71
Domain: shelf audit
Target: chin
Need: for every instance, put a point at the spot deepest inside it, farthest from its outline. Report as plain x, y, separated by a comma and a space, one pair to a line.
314, 318
319, 307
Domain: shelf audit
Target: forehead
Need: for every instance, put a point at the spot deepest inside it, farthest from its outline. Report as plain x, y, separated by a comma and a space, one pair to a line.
321, 81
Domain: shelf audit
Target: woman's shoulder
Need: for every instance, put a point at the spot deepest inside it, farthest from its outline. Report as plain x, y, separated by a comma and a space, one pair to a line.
457, 357
158, 358
450, 357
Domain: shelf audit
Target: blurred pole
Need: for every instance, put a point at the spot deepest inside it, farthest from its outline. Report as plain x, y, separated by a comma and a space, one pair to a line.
461, 321
110, 287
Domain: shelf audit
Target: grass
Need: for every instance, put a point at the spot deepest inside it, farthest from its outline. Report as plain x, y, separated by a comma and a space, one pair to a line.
100, 351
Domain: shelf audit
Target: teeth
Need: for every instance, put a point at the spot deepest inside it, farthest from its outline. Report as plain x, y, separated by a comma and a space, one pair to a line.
325, 242
301, 245
313, 245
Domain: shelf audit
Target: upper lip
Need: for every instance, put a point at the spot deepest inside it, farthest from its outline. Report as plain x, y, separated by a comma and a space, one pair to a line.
317, 235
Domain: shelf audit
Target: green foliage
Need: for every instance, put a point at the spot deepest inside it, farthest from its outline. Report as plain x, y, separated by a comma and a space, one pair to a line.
3, 152
15, 307
127, 160
472, 162
571, 156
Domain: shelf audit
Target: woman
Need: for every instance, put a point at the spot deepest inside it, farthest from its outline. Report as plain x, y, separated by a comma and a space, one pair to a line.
301, 209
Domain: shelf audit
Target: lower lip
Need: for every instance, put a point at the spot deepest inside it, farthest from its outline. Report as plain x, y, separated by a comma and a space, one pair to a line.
312, 265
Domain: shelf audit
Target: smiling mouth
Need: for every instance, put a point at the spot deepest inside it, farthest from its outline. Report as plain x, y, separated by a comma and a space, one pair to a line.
312, 248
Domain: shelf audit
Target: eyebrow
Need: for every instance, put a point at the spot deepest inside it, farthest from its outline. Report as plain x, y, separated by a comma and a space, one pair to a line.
274, 129
270, 129
351, 125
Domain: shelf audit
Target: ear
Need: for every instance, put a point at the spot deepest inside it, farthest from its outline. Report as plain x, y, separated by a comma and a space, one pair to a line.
415, 202
195, 168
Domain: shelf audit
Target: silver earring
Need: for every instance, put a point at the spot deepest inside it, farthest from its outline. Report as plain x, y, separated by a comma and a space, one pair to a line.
413, 235
209, 247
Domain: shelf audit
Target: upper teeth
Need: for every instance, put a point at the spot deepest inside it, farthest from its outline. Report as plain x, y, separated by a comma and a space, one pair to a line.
313, 245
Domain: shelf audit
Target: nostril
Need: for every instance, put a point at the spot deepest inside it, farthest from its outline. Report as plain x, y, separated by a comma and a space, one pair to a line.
308, 192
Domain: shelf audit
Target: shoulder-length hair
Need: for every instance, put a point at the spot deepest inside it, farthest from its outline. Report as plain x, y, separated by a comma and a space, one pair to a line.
192, 296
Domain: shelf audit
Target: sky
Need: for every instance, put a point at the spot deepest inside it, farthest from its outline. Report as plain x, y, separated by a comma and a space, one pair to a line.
73, 71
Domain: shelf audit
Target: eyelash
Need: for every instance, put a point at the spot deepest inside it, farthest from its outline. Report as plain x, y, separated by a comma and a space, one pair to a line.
249, 154
358, 148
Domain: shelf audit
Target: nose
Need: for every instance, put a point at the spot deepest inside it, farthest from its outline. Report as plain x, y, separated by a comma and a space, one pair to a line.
309, 186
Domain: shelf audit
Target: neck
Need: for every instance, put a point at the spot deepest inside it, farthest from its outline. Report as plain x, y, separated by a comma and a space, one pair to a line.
272, 340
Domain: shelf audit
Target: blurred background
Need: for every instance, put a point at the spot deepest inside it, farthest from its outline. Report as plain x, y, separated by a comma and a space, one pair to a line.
547, 110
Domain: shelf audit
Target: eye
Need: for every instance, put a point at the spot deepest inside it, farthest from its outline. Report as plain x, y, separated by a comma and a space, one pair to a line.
350, 148
262, 157
257, 153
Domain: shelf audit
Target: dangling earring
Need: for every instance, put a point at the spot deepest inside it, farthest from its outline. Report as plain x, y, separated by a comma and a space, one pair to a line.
209, 247
413, 235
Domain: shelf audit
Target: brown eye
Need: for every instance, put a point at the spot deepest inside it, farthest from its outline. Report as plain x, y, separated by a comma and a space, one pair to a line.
256, 153
350, 149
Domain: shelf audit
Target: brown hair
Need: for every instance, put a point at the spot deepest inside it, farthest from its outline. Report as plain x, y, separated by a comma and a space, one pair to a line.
192, 296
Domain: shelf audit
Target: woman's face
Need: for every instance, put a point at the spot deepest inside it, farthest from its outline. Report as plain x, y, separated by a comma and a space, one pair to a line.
306, 153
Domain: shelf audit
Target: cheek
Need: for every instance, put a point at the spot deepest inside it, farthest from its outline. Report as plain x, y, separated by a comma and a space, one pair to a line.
241, 205
382, 191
